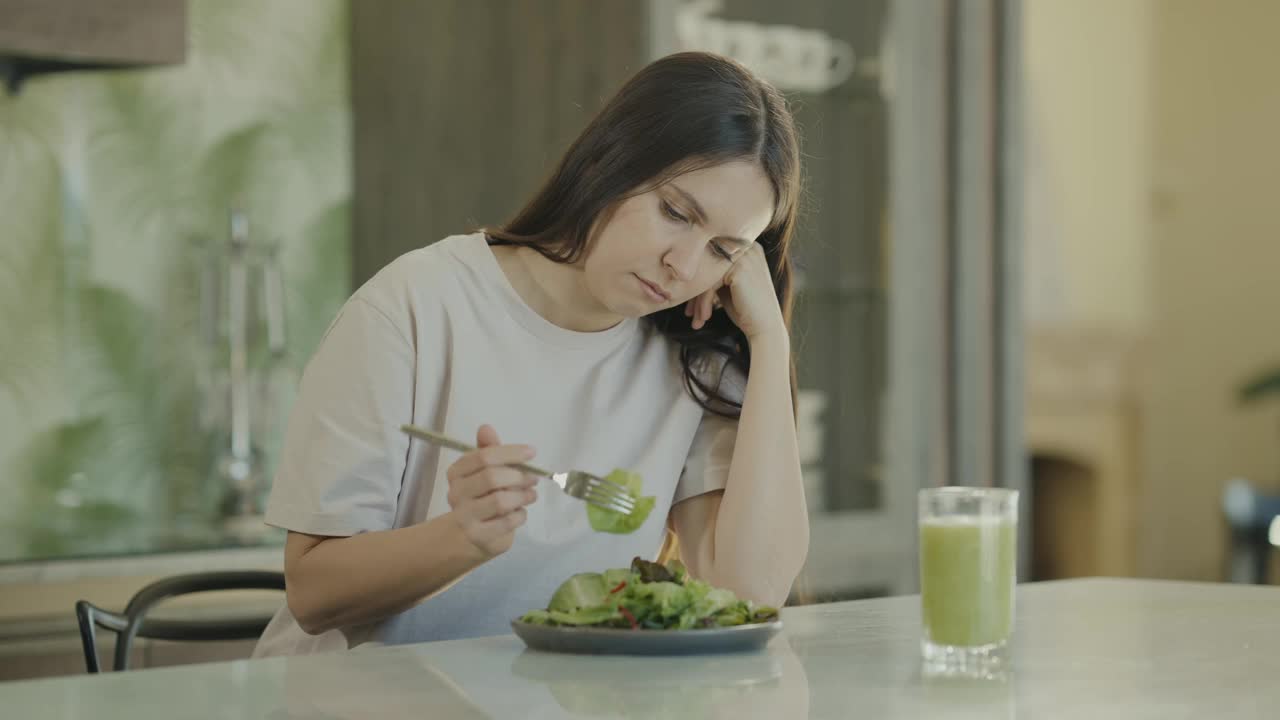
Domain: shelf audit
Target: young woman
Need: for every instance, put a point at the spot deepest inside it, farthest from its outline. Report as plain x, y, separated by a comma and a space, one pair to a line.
633, 315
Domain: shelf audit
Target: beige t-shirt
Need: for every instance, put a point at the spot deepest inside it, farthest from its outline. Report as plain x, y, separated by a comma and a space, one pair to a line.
441, 339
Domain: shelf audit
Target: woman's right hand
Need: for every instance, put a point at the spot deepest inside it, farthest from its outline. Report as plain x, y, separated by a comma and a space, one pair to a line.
488, 496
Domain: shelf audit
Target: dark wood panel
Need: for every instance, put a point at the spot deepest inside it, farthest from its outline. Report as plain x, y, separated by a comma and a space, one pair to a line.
840, 245
461, 107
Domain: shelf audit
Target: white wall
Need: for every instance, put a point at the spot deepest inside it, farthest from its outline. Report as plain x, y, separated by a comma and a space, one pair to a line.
1154, 212
1087, 74
1215, 272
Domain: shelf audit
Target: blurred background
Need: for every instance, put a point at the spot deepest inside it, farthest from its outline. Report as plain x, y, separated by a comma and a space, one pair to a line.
1038, 250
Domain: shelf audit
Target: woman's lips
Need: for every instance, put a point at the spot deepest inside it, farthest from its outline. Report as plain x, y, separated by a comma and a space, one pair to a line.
654, 292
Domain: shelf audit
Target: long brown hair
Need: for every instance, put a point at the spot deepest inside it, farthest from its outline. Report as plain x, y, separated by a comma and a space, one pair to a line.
679, 113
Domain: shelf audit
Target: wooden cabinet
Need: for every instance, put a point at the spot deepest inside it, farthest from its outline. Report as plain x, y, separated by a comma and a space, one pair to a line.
40, 36
461, 107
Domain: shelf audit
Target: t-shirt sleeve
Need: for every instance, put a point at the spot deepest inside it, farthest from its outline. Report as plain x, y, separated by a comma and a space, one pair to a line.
707, 467
344, 455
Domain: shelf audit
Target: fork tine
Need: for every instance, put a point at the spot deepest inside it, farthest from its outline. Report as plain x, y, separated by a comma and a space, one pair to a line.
597, 491
607, 497
622, 504
608, 506
610, 491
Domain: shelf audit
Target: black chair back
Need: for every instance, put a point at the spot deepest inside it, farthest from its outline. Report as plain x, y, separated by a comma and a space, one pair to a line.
132, 623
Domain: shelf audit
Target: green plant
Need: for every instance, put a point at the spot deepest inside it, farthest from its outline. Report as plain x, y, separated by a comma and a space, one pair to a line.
103, 179
1261, 386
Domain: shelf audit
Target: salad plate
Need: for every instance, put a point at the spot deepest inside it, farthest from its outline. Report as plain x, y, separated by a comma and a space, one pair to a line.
647, 609
617, 641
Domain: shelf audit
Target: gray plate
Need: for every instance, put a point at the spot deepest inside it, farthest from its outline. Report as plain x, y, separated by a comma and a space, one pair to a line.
608, 641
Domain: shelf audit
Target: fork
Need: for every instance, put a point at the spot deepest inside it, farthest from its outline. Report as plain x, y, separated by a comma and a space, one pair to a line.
584, 486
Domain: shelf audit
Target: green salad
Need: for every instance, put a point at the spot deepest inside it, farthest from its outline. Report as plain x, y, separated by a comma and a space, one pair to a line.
609, 521
646, 596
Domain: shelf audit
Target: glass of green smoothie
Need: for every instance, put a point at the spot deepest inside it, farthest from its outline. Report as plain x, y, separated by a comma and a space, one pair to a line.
968, 556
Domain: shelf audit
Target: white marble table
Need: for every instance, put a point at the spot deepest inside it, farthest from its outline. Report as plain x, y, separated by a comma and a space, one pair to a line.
1091, 649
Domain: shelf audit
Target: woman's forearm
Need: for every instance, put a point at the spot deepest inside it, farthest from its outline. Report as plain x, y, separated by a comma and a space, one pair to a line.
762, 526
345, 581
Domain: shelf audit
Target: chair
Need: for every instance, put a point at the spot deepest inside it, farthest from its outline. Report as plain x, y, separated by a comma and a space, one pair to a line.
132, 623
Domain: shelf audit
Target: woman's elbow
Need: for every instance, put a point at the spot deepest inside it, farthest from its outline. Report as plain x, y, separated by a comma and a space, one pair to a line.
769, 589
304, 610
302, 596
301, 612
774, 589
763, 592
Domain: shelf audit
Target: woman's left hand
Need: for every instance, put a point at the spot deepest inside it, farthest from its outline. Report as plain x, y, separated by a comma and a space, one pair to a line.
747, 295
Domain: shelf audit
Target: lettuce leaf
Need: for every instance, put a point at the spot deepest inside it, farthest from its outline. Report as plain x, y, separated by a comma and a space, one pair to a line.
665, 599
646, 596
714, 601
615, 577
704, 601
580, 591
585, 616
537, 617
603, 520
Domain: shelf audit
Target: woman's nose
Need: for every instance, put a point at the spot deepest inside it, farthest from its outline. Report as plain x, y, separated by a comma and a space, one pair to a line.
682, 260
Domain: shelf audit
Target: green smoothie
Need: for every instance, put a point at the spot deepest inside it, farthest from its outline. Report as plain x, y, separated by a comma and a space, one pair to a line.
966, 580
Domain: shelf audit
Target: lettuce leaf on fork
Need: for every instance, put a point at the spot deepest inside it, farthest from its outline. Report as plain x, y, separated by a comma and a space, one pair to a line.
603, 520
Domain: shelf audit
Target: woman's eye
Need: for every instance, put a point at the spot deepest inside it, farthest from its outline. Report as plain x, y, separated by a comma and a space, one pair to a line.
719, 251
672, 213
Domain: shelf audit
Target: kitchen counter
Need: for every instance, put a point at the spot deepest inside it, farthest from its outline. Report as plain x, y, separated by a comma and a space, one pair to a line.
40, 591
72, 545
1092, 649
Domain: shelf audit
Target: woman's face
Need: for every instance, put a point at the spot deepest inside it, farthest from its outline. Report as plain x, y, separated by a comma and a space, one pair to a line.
666, 246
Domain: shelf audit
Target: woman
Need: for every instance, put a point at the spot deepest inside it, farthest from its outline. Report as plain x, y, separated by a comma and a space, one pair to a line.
633, 315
